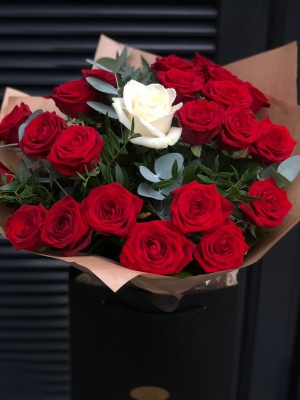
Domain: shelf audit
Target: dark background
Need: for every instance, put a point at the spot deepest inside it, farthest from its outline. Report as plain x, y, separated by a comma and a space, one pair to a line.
43, 46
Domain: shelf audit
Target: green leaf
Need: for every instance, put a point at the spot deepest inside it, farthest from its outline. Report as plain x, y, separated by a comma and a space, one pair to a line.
108, 63
182, 275
125, 135
175, 170
162, 184
205, 179
196, 150
119, 174
103, 109
226, 175
22, 172
98, 65
188, 174
135, 135
216, 163
10, 187
206, 170
121, 59
145, 65
106, 172
102, 86
113, 139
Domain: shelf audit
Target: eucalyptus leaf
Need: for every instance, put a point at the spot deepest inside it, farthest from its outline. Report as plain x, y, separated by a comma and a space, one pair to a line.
147, 174
22, 127
270, 172
282, 178
290, 168
147, 191
103, 109
108, 63
102, 86
100, 66
163, 165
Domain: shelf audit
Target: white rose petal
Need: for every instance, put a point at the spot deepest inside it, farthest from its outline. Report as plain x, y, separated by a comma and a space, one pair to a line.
152, 110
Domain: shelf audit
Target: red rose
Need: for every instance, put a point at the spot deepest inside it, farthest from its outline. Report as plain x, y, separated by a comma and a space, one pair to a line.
9, 177
259, 100
218, 73
201, 60
269, 211
173, 61
101, 74
221, 249
72, 97
41, 133
200, 120
111, 209
275, 143
239, 131
76, 147
186, 83
23, 228
64, 227
10, 124
227, 93
157, 247
197, 208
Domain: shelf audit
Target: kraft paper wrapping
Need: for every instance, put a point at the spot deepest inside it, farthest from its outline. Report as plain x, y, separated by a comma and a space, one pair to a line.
273, 72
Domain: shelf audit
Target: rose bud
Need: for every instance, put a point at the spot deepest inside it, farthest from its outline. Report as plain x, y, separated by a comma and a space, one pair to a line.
187, 84
202, 61
64, 227
275, 143
41, 133
197, 208
218, 73
111, 209
269, 211
23, 228
77, 147
239, 131
157, 247
259, 100
72, 97
227, 93
200, 120
10, 124
221, 249
173, 61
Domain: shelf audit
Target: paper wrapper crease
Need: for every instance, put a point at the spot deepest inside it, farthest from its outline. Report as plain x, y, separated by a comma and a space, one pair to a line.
274, 72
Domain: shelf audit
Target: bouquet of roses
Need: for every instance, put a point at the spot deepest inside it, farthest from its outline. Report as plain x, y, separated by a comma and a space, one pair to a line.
165, 169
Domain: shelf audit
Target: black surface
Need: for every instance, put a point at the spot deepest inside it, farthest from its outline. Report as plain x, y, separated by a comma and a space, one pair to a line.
119, 344
34, 327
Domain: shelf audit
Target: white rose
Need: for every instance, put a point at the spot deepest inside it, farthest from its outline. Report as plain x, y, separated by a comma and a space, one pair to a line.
151, 108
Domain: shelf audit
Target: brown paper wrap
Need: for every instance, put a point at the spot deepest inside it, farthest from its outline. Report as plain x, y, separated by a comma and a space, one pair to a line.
273, 72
